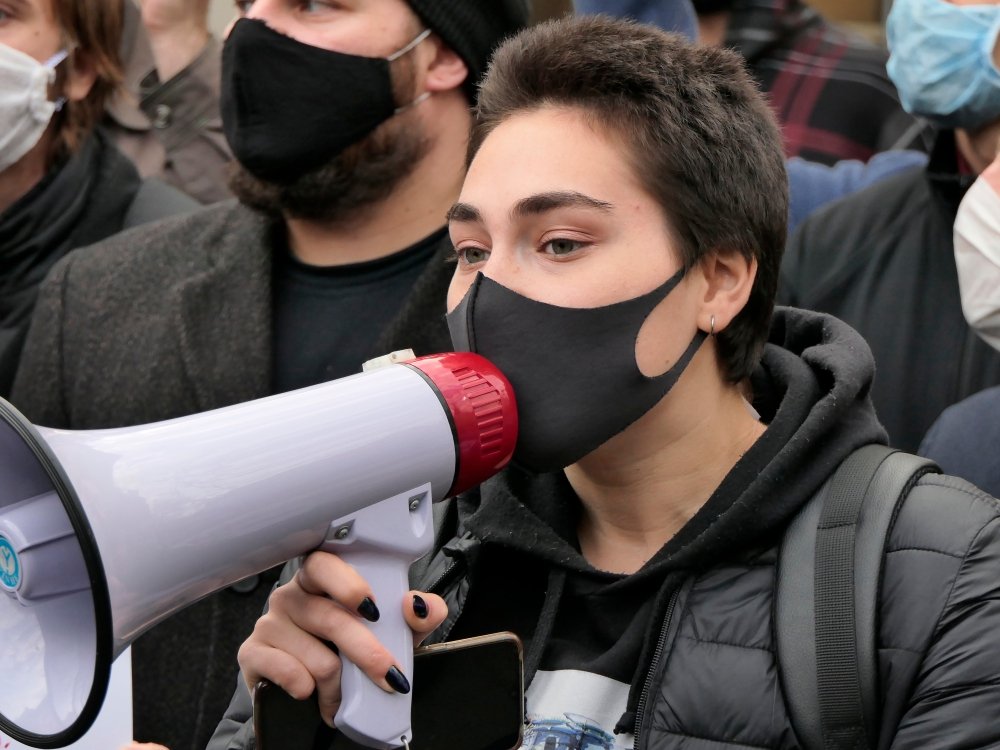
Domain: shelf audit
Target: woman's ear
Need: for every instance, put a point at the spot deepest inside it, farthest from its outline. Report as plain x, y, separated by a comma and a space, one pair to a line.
729, 278
445, 70
81, 73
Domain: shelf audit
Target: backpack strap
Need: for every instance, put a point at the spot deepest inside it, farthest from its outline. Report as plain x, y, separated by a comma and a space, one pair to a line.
827, 594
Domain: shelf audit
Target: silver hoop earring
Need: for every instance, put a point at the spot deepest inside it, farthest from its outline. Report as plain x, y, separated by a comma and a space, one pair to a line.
711, 326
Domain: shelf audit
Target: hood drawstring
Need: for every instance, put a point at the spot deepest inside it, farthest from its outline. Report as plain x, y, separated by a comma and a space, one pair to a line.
546, 622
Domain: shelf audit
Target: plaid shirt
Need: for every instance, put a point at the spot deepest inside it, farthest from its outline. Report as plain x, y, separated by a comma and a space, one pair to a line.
829, 89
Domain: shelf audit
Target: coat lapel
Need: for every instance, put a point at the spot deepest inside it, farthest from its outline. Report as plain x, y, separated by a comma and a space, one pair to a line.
224, 316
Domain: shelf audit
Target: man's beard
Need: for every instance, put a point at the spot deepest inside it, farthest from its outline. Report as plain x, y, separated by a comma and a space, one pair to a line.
361, 176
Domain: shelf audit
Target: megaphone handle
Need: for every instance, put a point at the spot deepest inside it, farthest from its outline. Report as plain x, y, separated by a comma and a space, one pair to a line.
383, 541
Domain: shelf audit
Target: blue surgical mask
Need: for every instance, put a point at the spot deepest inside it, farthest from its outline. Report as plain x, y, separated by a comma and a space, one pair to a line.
941, 60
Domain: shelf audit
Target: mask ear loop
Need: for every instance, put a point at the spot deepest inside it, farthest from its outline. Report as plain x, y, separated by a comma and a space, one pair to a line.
416, 40
52, 63
422, 98
398, 54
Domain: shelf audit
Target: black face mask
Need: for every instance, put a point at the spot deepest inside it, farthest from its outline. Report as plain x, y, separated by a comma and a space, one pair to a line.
289, 108
575, 378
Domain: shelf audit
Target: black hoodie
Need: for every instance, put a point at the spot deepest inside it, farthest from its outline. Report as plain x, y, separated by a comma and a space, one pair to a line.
812, 391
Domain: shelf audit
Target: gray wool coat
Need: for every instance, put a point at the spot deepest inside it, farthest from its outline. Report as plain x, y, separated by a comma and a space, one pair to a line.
159, 322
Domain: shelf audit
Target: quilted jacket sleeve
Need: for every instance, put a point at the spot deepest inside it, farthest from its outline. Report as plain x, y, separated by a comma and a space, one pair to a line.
954, 700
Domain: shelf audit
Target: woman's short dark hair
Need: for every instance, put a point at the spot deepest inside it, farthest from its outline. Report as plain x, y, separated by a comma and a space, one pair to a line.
700, 136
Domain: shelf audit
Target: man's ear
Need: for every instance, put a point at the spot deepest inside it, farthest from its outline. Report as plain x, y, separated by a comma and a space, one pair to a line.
729, 278
80, 76
445, 70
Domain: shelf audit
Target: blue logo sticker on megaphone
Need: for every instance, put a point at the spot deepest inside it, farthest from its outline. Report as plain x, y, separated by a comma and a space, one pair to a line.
10, 567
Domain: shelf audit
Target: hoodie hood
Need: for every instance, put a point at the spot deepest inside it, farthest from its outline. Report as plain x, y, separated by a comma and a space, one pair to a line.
811, 389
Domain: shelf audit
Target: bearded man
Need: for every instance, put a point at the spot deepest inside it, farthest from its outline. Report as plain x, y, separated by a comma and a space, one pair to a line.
349, 125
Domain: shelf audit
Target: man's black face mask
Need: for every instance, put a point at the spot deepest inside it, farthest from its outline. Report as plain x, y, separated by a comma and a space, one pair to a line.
289, 108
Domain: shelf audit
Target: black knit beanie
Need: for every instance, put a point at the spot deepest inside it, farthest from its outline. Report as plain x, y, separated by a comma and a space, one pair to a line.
473, 29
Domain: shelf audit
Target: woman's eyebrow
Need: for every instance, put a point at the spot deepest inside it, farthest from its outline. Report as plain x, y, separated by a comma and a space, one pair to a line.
533, 205
464, 212
542, 202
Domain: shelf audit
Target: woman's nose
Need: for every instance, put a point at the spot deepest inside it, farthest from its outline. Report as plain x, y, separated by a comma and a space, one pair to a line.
272, 12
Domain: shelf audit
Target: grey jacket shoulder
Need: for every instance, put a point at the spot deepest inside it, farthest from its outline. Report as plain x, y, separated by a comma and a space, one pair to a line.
151, 324
171, 248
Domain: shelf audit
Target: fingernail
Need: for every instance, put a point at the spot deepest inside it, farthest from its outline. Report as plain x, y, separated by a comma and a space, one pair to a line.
397, 681
368, 610
420, 607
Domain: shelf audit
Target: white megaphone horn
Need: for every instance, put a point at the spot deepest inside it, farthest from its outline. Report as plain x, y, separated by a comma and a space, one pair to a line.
105, 533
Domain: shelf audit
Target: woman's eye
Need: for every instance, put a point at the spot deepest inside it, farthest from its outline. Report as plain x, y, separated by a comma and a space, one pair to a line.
243, 6
471, 256
561, 246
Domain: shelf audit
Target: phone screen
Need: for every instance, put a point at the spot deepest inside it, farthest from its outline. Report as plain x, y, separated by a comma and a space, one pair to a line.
467, 694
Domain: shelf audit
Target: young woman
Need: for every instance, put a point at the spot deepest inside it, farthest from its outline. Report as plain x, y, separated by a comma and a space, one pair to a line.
62, 184
617, 241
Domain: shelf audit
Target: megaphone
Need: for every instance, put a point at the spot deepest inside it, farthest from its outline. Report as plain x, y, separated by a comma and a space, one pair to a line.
105, 533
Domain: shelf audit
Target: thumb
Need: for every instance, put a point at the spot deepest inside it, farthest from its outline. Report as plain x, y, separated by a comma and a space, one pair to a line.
424, 613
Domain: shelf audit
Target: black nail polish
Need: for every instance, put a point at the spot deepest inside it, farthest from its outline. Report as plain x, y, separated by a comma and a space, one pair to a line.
397, 681
368, 610
420, 607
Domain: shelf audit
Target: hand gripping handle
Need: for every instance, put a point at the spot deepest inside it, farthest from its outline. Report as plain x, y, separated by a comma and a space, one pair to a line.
381, 542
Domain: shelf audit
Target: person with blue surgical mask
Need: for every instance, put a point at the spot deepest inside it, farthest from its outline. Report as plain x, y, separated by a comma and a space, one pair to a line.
953, 45
884, 260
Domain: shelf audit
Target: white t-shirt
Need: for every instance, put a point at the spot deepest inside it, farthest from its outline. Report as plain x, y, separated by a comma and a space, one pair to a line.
569, 708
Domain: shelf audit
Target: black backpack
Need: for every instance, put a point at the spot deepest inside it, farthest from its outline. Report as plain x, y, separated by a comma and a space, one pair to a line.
826, 623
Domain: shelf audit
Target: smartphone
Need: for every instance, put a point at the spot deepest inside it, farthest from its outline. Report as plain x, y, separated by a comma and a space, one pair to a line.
467, 694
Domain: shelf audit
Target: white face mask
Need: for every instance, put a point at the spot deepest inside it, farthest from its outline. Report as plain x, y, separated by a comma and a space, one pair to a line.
25, 109
977, 256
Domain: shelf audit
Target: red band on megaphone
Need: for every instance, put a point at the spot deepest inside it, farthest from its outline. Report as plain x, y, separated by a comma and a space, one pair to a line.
484, 413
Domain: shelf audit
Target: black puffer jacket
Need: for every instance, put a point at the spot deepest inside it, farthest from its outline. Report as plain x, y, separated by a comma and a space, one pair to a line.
708, 677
